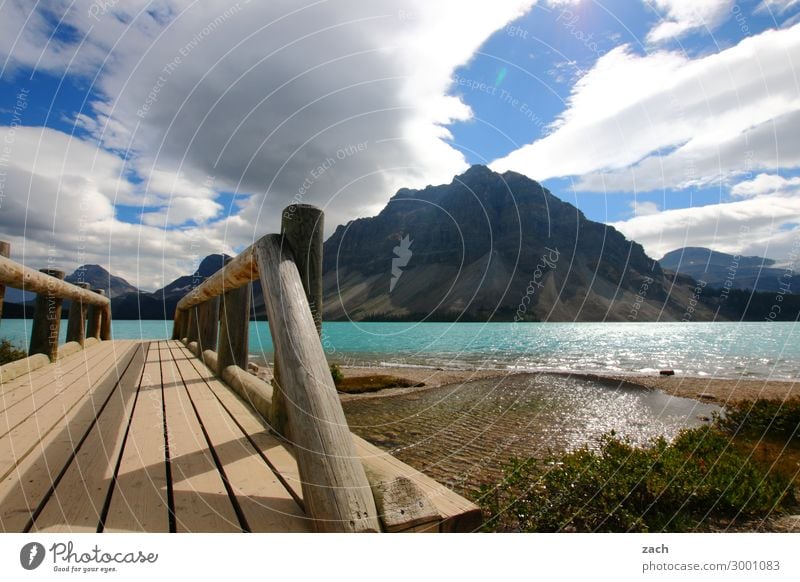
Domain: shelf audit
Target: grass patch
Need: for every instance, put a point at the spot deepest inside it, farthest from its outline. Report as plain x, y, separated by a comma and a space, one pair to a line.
669, 486
10, 352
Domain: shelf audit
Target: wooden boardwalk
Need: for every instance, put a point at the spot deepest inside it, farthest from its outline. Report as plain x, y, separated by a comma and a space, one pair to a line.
139, 436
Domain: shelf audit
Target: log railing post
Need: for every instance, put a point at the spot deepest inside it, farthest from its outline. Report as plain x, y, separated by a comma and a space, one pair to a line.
208, 324
5, 251
192, 333
336, 492
234, 328
301, 229
76, 324
95, 317
46, 321
177, 324
105, 323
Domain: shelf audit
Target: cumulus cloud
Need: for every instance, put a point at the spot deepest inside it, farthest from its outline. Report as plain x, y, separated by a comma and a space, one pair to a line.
764, 184
333, 103
764, 226
681, 17
663, 120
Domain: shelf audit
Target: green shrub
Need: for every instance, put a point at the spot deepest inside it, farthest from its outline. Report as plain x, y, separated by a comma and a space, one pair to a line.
620, 487
763, 418
10, 352
336, 374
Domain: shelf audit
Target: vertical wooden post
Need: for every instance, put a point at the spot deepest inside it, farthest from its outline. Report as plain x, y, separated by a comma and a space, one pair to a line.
46, 321
301, 229
176, 325
336, 492
192, 333
208, 324
95, 317
76, 324
234, 325
105, 322
5, 251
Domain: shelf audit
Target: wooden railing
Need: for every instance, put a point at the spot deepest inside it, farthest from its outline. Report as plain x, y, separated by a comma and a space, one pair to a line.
90, 308
304, 406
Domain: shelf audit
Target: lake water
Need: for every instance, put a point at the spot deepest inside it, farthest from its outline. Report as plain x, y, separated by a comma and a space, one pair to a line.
725, 350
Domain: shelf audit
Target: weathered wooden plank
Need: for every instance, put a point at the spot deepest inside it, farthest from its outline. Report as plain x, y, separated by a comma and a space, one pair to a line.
264, 502
201, 501
46, 319
24, 488
27, 428
458, 514
78, 499
139, 501
19, 276
13, 370
335, 488
29, 383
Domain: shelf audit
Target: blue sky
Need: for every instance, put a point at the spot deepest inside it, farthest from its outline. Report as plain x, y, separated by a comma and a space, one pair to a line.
145, 135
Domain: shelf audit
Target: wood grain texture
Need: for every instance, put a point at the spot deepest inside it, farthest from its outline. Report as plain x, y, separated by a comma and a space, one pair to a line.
234, 328
19, 276
335, 488
208, 324
95, 317
47, 319
76, 324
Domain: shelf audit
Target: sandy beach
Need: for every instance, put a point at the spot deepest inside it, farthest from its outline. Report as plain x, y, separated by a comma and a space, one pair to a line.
705, 389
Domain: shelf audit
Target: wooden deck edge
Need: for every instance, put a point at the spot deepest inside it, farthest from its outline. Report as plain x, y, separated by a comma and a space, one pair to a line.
455, 513
14, 370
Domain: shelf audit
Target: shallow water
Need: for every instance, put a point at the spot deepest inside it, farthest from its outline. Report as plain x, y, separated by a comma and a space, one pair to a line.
462, 435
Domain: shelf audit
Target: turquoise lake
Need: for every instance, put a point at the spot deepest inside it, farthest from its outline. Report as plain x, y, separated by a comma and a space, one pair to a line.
724, 350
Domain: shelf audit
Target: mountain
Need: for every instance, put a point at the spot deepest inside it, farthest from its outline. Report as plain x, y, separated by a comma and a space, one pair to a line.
725, 271
99, 278
95, 275
491, 246
161, 304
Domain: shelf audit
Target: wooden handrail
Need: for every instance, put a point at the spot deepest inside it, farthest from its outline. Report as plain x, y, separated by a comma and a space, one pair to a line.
13, 274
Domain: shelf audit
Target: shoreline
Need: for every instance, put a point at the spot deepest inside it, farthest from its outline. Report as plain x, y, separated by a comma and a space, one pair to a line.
701, 388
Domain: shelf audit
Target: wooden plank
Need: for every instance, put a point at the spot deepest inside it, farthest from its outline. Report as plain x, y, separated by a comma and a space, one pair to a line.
458, 513
24, 488
233, 328
77, 501
24, 437
264, 502
201, 501
139, 501
29, 384
335, 488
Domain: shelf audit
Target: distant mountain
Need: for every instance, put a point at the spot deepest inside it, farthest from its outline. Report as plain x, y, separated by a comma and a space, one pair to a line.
490, 246
95, 275
726, 271
99, 278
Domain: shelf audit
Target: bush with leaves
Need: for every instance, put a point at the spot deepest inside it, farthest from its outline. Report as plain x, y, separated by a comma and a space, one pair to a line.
10, 352
620, 487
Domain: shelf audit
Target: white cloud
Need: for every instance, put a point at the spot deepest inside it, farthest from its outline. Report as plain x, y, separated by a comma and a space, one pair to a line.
644, 208
764, 226
253, 98
681, 17
662, 120
764, 184
776, 6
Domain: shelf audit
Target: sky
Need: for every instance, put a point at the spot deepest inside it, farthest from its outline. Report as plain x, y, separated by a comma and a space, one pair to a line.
144, 136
